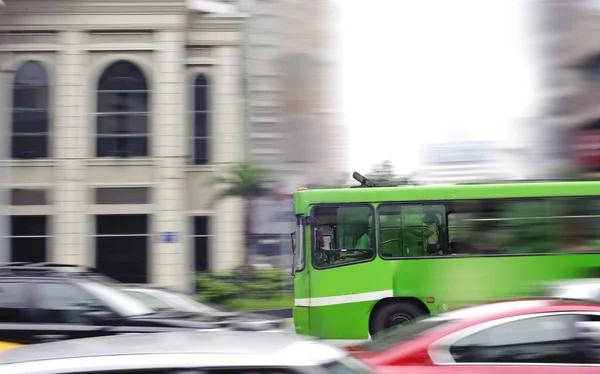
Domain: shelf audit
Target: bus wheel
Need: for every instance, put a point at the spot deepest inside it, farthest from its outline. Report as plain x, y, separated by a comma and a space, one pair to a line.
393, 314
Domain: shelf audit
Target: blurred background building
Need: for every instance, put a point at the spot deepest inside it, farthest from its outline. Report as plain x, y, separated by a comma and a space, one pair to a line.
294, 127
122, 112
459, 162
572, 89
294, 123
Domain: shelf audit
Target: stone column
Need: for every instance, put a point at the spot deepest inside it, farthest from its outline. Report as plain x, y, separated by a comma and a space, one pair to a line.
70, 130
170, 261
227, 243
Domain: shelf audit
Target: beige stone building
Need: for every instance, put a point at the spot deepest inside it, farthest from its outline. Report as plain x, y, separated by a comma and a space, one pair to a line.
120, 113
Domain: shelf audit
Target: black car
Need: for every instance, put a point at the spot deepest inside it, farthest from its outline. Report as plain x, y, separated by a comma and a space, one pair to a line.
159, 298
42, 302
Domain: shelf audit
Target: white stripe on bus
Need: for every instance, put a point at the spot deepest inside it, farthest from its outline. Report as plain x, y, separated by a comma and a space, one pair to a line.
344, 299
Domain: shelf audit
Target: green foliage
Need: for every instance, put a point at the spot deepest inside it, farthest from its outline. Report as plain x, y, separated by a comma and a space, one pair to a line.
384, 175
244, 284
245, 180
216, 289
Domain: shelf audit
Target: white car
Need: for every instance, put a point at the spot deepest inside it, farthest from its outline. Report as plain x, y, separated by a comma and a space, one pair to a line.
581, 289
189, 352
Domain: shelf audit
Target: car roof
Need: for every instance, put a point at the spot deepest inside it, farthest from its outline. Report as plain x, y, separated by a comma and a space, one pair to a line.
212, 343
507, 308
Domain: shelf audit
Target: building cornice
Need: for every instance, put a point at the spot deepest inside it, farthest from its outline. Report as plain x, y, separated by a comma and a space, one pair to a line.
116, 7
216, 22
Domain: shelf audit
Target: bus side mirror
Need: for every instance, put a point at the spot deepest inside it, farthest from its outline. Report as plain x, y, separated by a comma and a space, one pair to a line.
293, 235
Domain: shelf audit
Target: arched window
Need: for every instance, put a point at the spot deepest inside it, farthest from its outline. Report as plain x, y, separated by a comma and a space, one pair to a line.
201, 120
30, 112
122, 113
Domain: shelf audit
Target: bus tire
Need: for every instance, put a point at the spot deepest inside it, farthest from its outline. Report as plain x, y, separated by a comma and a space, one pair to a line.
393, 314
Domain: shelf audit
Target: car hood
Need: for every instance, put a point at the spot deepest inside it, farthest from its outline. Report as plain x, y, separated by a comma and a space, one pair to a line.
182, 319
218, 320
255, 321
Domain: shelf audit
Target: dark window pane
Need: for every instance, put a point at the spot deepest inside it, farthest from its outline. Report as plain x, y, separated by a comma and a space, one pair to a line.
200, 80
200, 225
62, 303
28, 225
30, 122
122, 75
30, 97
122, 101
122, 146
31, 74
200, 98
29, 146
201, 253
123, 124
200, 151
123, 258
12, 302
28, 249
28, 196
121, 224
125, 195
200, 124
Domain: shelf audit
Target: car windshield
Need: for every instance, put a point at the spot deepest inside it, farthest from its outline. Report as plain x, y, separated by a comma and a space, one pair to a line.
400, 334
189, 302
112, 296
150, 300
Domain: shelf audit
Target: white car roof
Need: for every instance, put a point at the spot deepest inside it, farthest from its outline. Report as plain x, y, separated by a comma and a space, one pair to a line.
185, 349
491, 309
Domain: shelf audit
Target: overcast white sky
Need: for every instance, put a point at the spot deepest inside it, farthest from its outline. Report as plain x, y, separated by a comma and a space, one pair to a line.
418, 71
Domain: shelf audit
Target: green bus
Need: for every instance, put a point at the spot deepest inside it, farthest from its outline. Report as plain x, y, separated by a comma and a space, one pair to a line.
366, 259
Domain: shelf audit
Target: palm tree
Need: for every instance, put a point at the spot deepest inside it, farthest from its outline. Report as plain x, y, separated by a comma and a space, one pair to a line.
246, 181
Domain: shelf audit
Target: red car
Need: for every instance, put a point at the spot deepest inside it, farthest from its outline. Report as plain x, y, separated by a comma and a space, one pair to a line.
545, 336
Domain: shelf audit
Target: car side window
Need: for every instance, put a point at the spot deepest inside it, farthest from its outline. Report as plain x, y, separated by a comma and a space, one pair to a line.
62, 303
545, 339
13, 302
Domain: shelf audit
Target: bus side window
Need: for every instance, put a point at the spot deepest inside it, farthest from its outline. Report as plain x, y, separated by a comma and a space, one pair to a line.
390, 223
412, 230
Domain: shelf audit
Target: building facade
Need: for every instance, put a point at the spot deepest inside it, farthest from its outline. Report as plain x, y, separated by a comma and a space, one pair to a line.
121, 114
459, 162
571, 61
294, 123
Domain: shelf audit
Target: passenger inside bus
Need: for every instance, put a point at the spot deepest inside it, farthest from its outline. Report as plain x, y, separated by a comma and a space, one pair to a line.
430, 234
364, 242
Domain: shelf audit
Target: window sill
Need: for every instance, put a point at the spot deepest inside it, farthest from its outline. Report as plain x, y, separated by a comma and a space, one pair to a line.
117, 161
31, 162
201, 168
